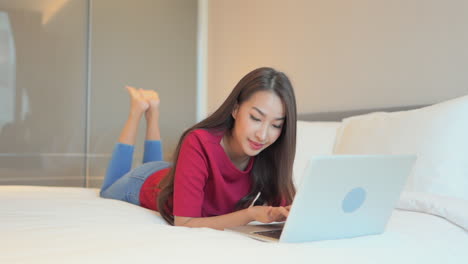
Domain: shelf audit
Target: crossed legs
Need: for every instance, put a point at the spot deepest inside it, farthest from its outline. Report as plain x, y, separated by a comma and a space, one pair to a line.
142, 102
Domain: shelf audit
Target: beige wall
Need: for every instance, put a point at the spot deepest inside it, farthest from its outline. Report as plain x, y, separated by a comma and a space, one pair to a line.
342, 55
149, 44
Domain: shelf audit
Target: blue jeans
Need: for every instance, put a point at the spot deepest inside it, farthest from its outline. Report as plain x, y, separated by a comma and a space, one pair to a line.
122, 183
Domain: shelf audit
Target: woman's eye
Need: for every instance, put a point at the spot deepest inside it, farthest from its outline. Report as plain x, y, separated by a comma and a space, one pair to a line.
277, 126
254, 118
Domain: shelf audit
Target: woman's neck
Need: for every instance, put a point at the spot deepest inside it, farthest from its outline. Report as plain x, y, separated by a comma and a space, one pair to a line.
232, 150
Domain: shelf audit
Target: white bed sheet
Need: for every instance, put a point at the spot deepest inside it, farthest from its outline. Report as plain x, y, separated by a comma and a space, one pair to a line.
75, 225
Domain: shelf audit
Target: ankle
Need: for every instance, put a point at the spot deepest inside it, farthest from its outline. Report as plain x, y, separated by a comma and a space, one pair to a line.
134, 116
152, 116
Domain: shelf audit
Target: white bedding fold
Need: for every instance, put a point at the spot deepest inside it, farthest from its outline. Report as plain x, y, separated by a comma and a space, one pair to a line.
453, 209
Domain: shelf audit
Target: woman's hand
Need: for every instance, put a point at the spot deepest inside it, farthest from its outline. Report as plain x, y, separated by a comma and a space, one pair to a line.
268, 214
264, 214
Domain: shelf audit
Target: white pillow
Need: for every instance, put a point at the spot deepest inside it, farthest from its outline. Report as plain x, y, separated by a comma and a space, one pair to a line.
438, 134
453, 209
313, 138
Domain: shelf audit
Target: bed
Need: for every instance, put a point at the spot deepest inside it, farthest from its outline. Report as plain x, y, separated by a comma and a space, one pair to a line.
429, 224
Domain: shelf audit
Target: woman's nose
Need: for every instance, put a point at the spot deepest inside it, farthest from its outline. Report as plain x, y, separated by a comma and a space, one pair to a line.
261, 133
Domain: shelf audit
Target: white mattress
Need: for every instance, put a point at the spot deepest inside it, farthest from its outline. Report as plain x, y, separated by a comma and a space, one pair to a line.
75, 225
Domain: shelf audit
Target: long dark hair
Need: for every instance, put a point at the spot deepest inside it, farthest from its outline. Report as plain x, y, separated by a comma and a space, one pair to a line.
272, 170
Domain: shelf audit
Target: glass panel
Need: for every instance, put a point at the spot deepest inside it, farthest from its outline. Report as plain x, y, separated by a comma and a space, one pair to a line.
42, 91
43, 82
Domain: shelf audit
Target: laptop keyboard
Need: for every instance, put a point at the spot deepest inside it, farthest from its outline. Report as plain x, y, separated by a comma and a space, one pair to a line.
271, 233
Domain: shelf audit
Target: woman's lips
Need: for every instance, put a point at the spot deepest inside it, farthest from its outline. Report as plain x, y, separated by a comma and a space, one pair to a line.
255, 145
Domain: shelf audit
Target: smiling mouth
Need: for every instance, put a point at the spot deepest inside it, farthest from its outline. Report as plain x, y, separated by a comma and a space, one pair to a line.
255, 145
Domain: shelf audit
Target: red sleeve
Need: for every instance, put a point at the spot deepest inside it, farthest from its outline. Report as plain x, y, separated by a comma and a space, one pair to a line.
190, 178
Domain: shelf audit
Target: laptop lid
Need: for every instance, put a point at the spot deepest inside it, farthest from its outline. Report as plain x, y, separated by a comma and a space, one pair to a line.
344, 196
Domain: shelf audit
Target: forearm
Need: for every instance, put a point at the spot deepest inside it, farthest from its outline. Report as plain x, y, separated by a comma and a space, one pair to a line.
238, 218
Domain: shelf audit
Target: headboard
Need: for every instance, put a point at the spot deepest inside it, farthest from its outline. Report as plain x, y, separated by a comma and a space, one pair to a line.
340, 115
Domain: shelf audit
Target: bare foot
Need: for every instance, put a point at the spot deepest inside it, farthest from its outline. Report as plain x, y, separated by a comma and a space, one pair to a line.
138, 104
152, 98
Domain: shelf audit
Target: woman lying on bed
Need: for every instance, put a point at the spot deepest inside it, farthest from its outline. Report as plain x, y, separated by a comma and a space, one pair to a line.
232, 168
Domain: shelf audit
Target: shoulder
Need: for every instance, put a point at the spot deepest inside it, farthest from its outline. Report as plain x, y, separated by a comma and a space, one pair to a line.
197, 149
204, 136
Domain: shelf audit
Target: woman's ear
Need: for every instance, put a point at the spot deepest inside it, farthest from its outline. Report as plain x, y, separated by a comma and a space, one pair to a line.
234, 111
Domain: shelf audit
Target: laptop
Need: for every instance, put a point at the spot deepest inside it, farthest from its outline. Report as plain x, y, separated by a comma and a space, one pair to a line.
340, 196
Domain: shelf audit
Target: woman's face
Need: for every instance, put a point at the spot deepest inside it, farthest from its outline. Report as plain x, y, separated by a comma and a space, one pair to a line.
258, 123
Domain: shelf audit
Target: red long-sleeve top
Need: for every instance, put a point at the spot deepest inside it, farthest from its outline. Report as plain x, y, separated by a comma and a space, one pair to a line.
206, 183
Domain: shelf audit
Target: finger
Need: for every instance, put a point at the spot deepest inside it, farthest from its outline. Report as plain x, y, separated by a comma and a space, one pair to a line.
282, 215
280, 218
283, 211
270, 212
276, 213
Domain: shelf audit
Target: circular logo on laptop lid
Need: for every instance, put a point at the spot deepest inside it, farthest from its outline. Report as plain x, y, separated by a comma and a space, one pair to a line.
353, 200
